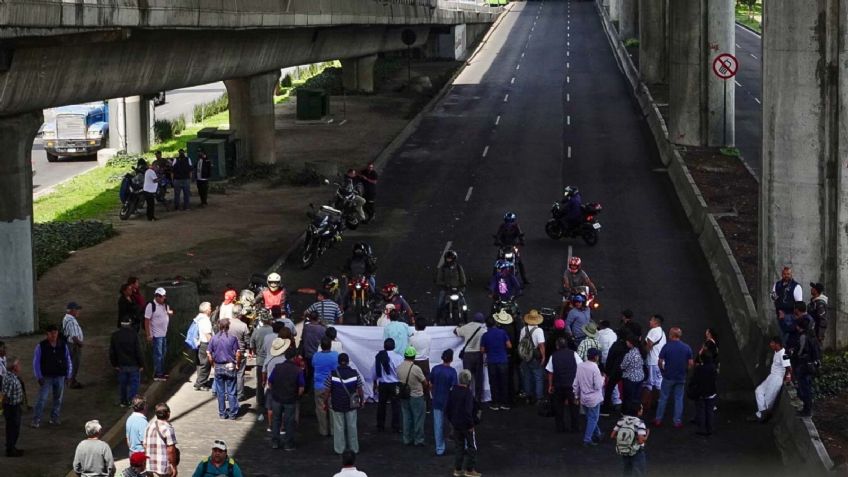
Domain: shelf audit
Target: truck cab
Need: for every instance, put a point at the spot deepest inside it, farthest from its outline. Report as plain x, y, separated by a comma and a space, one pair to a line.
79, 130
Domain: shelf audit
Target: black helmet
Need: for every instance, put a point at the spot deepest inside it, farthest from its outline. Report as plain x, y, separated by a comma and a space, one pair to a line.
450, 255
361, 248
510, 217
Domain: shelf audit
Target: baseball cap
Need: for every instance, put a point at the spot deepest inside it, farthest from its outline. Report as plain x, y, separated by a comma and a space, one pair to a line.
138, 459
409, 352
160, 291
219, 444
73, 306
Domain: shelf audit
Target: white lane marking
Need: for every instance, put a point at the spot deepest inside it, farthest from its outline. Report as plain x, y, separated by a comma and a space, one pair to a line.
757, 100
567, 64
498, 120
568, 27
522, 55
512, 81
486, 151
568, 79
567, 97
568, 53
506, 98
737, 83
517, 67
442, 256
739, 27
569, 152
753, 56
737, 46
568, 120
568, 43
468, 195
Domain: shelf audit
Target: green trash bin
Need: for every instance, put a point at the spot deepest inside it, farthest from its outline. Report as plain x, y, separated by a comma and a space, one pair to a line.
312, 104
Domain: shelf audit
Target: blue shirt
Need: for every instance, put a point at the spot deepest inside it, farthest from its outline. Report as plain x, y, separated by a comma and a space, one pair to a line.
576, 319
443, 378
324, 362
494, 341
213, 471
398, 331
223, 348
136, 425
675, 355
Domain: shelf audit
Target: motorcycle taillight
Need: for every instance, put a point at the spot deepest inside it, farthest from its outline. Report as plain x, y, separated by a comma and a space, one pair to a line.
589, 218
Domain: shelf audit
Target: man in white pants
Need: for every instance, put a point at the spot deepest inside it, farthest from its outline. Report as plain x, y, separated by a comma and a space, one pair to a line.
767, 391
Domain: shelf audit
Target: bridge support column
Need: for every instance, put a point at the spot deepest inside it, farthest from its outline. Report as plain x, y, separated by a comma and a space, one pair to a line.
252, 115
804, 184
358, 74
131, 124
701, 113
17, 272
653, 41
628, 22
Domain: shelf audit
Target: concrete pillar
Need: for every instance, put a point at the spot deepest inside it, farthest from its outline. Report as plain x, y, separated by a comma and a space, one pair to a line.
653, 41
699, 110
358, 74
17, 272
252, 115
615, 10
804, 186
131, 124
628, 22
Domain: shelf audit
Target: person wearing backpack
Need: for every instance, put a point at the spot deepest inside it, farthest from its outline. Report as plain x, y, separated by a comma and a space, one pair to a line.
805, 361
200, 332
531, 350
630, 435
157, 316
218, 463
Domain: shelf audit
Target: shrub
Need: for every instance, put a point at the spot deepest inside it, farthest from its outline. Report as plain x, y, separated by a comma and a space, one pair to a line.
205, 110
833, 375
631, 42
123, 160
286, 82
330, 80
53, 242
165, 129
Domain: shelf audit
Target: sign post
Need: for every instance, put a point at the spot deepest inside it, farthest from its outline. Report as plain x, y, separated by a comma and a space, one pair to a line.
725, 67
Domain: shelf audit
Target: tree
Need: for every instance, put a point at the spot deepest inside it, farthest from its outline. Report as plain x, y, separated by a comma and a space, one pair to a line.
750, 4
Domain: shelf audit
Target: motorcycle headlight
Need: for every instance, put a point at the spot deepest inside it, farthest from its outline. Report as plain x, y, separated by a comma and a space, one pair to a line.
358, 286
464, 307
508, 256
454, 297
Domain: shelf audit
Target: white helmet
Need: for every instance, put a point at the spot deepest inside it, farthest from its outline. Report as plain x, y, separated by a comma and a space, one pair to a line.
274, 281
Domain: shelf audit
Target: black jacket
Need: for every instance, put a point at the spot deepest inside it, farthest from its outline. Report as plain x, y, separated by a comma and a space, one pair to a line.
615, 357
125, 348
703, 382
127, 307
462, 408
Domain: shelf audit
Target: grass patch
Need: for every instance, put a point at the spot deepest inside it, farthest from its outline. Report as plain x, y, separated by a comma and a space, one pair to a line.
631, 42
750, 14
730, 151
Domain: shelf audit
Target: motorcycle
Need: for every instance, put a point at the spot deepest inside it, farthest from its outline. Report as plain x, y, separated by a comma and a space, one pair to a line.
590, 298
132, 194
455, 309
324, 230
361, 299
557, 227
345, 200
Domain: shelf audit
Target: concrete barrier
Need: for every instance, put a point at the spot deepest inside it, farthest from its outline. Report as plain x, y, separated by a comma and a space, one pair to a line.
797, 439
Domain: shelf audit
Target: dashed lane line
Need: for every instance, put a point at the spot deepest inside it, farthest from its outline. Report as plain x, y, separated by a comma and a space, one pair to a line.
486, 151
569, 152
757, 100
497, 120
506, 98
468, 196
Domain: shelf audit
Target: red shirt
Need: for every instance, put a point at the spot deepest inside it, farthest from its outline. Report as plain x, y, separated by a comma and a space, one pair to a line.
274, 298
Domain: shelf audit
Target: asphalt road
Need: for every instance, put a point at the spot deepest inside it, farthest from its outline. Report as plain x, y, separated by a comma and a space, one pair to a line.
749, 90
542, 105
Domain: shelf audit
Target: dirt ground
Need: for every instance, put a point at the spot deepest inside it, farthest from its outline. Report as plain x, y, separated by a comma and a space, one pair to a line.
241, 232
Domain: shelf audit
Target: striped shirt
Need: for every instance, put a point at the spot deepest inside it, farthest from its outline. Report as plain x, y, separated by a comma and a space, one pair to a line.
13, 389
328, 311
71, 329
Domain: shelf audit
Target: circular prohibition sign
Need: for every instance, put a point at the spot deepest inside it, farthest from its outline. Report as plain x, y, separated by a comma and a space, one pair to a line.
725, 66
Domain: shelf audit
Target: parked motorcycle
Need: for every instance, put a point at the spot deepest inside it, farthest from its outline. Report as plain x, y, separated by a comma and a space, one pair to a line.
558, 227
324, 230
345, 200
455, 310
131, 193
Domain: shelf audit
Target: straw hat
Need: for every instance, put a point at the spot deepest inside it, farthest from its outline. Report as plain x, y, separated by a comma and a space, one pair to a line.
533, 318
590, 329
279, 346
502, 318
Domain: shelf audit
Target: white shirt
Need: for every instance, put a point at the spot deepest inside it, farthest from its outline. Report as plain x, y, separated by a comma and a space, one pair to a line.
150, 181
797, 293
421, 342
779, 363
536, 334
383, 320
204, 327
336, 346
225, 311
550, 366
349, 472
159, 319
606, 338
657, 337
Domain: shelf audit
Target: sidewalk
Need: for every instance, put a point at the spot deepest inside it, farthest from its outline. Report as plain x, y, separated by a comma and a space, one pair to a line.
257, 217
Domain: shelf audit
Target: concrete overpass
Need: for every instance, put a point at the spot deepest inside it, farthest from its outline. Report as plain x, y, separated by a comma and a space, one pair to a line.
54, 52
804, 179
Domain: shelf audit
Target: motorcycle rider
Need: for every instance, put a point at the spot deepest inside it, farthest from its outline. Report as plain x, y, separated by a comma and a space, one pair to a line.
349, 186
450, 276
368, 179
362, 263
509, 234
391, 294
275, 294
504, 285
572, 203
574, 276
330, 285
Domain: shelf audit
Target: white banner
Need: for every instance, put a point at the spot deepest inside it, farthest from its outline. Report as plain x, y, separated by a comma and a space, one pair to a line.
362, 343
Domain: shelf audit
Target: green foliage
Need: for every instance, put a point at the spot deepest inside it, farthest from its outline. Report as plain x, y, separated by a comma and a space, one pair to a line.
123, 160
631, 42
750, 14
330, 80
730, 151
165, 129
833, 376
206, 110
53, 242
286, 82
